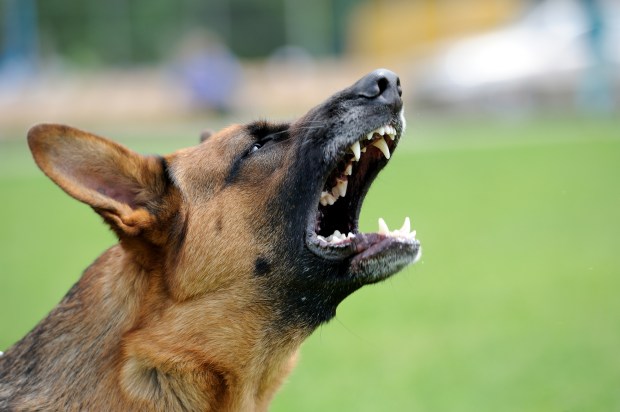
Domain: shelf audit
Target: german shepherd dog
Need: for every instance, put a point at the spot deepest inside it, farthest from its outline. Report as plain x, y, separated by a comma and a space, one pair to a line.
231, 253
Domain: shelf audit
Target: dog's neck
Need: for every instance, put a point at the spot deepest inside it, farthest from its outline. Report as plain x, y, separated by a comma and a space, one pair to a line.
165, 361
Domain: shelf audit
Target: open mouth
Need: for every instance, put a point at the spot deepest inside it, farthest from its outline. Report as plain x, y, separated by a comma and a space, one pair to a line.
333, 233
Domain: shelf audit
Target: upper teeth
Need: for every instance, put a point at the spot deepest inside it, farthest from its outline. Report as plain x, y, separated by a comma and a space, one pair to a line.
339, 190
329, 197
379, 141
355, 148
382, 145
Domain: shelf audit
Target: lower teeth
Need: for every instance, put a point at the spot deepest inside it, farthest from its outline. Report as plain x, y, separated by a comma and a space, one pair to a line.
336, 237
404, 232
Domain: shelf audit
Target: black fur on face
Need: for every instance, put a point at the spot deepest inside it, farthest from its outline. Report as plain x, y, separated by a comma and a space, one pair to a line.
309, 277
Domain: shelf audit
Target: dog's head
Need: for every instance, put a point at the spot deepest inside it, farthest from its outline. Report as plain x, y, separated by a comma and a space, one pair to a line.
266, 211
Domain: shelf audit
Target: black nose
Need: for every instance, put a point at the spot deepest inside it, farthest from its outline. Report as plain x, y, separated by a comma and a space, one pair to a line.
381, 85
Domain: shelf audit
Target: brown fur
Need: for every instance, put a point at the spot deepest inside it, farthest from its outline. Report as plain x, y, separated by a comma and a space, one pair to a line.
158, 328
212, 288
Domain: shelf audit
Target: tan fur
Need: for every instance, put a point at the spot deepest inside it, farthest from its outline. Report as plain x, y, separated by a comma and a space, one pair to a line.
172, 329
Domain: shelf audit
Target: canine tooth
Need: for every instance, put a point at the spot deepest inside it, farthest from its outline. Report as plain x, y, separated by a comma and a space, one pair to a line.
382, 145
349, 170
342, 187
406, 229
355, 148
383, 227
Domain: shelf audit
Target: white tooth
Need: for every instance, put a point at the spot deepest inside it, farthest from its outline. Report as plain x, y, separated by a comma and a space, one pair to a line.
406, 226
383, 227
363, 150
327, 199
412, 234
382, 131
342, 187
369, 135
382, 145
321, 238
349, 170
336, 191
336, 237
323, 200
391, 132
355, 148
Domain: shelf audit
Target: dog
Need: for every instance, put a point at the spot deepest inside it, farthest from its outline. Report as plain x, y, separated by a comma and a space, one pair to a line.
230, 254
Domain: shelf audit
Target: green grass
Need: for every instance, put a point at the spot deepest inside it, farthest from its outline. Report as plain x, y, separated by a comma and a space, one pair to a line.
515, 305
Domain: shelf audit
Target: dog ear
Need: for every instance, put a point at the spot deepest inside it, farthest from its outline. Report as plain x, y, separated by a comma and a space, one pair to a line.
205, 134
120, 185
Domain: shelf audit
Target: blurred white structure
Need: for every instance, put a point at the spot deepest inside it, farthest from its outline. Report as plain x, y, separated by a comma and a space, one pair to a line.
548, 58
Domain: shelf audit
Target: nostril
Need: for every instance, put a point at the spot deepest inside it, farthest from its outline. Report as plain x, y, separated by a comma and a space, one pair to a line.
383, 84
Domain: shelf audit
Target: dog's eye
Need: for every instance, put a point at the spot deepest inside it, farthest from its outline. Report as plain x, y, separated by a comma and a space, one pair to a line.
264, 141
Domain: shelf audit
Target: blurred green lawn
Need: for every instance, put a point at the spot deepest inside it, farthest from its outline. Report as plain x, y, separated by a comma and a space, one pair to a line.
515, 305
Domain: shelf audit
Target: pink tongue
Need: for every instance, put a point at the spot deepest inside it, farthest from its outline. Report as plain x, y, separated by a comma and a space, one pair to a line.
372, 244
364, 241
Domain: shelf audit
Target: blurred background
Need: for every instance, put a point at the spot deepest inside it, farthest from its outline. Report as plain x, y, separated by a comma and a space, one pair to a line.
509, 169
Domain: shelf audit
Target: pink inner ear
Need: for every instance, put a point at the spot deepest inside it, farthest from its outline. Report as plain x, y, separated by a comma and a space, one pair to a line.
119, 189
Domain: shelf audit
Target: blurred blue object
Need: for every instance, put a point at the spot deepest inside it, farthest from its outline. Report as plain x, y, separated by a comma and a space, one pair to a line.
560, 52
19, 45
594, 93
210, 71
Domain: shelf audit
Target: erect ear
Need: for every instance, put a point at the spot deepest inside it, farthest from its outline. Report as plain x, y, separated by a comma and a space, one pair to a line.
120, 185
